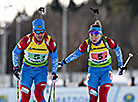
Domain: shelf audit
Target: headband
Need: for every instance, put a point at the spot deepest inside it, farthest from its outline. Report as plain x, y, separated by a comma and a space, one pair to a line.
95, 28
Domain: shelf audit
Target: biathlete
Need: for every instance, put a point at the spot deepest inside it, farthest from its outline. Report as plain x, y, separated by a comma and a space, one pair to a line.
97, 46
36, 46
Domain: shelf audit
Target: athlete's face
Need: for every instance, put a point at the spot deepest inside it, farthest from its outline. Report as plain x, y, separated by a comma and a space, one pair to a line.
95, 36
39, 34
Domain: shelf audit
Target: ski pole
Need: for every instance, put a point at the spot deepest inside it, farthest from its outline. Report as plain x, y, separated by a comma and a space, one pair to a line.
96, 12
50, 92
17, 90
17, 86
124, 66
54, 92
130, 56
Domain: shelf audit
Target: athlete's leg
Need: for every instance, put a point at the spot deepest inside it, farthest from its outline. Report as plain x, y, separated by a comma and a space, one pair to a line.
40, 84
25, 88
103, 92
25, 85
93, 82
25, 93
39, 91
106, 80
93, 94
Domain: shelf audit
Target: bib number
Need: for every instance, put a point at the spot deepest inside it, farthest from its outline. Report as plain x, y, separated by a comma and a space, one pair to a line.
36, 57
99, 56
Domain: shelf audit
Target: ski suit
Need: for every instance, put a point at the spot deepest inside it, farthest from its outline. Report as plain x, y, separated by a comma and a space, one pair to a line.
35, 64
99, 66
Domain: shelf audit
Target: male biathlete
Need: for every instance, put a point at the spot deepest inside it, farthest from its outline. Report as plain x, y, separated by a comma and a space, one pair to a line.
36, 46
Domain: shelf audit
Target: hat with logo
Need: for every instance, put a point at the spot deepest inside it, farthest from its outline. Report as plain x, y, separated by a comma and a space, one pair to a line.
38, 24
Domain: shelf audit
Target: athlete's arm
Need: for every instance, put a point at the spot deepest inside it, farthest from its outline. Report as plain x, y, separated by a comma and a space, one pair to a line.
117, 49
76, 54
18, 49
53, 55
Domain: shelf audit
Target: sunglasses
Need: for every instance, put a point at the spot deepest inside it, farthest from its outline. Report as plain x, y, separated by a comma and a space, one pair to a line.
39, 31
95, 33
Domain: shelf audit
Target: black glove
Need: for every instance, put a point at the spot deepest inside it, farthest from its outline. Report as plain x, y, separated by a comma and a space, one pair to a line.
62, 63
121, 70
54, 77
16, 72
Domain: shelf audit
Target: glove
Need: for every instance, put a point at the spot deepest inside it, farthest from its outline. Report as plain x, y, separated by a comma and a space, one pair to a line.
54, 77
16, 72
62, 63
121, 70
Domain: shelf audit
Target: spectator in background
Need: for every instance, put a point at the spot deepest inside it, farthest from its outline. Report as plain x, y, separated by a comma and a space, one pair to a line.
132, 83
82, 83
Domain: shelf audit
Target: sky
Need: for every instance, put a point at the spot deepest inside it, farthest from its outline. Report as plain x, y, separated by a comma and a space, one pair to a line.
10, 8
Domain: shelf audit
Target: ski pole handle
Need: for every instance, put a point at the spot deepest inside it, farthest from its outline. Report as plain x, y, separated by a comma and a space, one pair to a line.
96, 12
41, 10
123, 68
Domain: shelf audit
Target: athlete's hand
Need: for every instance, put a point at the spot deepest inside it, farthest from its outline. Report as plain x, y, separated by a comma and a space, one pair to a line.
54, 77
121, 70
16, 72
62, 63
